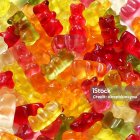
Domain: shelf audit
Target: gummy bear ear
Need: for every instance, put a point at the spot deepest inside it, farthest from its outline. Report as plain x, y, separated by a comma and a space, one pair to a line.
46, 2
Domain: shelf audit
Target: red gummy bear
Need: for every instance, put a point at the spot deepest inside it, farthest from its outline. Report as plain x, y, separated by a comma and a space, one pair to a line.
52, 130
25, 59
106, 55
85, 121
22, 113
48, 20
108, 30
131, 44
76, 43
127, 74
10, 37
77, 20
6, 79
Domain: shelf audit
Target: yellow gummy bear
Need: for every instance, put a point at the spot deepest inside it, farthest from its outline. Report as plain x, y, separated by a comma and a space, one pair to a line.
22, 85
95, 10
45, 116
62, 9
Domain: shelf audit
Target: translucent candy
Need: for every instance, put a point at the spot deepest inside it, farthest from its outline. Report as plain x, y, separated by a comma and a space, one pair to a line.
136, 27
134, 61
58, 64
130, 10
108, 134
117, 19
69, 135
85, 121
45, 116
22, 3
8, 136
5, 5
24, 28
94, 11
48, 19
6, 58
66, 121
78, 105
124, 112
110, 121
19, 99
87, 2
126, 130
3, 46
117, 5
62, 9
22, 85
7, 110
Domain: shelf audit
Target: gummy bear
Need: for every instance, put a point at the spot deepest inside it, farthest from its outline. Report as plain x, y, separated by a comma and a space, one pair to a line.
121, 111
66, 121
85, 121
110, 121
95, 10
22, 85
22, 112
24, 28
58, 64
10, 37
45, 116
6, 79
6, 59
62, 9
77, 20
75, 103
122, 28
47, 18
131, 44
7, 111
76, 43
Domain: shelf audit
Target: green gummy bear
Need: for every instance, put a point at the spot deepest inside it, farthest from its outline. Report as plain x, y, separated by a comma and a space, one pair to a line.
134, 61
24, 28
66, 121
58, 64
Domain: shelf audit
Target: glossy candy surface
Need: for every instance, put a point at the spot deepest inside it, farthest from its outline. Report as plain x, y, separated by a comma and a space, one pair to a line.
69, 70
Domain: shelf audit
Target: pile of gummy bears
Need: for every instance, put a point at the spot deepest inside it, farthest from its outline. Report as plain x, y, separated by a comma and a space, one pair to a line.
70, 70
